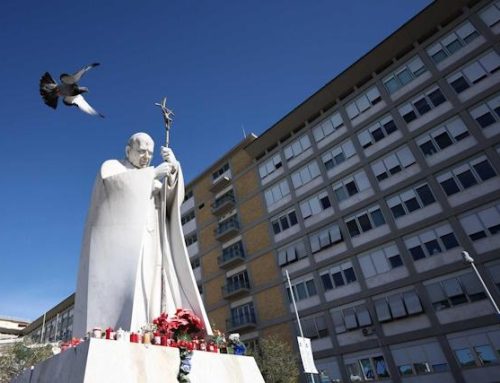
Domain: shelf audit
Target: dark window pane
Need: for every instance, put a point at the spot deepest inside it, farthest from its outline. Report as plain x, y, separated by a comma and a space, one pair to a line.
477, 235
284, 223
390, 127
349, 275
436, 97
364, 222
276, 227
398, 211
339, 158
412, 204
486, 120
329, 164
441, 367
327, 282
459, 85
422, 106
293, 218
433, 247
325, 202
410, 116
425, 194
395, 261
417, 253
443, 140
484, 170
352, 226
428, 148
338, 280
454, 46
377, 218
449, 241
494, 229
351, 188
467, 179
395, 169
382, 176
405, 370
311, 288
377, 134
450, 187
300, 290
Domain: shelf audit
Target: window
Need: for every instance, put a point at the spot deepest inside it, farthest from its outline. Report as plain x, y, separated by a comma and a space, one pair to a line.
447, 134
313, 327
477, 348
452, 42
338, 276
339, 154
431, 242
494, 271
466, 175
291, 253
491, 14
190, 239
474, 72
187, 217
298, 146
363, 102
195, 262
422, 104
455, 291
392, 164
237, 281
270, 166
365, 221
284, 222
367, 369
404, 74
233, 251
276, 193
351, 318
397, 306
410, 200
377, 131
325, 237
350, 186
483, 223
327, 127
487, 113
315, 205
219, 172
242, 315
188, 195
305, 174
417, 359
380, 261
302, 290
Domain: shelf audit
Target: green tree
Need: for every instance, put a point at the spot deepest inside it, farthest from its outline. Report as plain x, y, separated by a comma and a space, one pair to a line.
276, 361
15, 357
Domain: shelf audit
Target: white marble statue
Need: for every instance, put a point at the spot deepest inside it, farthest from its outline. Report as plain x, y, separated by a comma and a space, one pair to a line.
134, 263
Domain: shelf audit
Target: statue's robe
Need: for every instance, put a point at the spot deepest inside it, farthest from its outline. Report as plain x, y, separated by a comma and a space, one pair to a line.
128, 243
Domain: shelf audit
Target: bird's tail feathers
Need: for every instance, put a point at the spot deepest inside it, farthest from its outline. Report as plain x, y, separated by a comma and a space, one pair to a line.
49, 90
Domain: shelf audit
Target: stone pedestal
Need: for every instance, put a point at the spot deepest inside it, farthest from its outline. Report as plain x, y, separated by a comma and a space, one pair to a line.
100, 360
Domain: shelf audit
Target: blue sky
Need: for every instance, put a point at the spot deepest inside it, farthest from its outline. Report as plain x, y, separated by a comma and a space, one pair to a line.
224, 65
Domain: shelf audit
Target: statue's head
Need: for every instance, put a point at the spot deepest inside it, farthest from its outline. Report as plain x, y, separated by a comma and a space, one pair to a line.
139, 150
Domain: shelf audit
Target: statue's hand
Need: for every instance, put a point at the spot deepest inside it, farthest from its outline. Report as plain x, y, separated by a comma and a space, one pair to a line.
168, 155
164, 169
156, 186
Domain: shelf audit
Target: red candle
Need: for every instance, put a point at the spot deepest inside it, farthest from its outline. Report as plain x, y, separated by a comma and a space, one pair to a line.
109, 330
134, 338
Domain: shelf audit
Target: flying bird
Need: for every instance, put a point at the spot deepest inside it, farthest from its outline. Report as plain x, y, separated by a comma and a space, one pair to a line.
69, 90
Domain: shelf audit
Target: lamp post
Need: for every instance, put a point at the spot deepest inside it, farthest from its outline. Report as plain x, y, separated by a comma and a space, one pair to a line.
470, 260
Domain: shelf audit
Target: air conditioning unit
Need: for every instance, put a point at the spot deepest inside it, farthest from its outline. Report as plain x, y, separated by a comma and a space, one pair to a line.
368, 331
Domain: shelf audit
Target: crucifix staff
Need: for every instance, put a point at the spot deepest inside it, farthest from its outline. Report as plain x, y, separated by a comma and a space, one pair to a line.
167, 119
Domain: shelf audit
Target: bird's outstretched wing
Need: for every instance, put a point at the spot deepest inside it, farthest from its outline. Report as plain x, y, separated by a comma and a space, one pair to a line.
74, 78
81, 103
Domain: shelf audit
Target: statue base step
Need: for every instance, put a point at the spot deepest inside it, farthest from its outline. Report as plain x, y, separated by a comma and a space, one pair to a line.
99, 360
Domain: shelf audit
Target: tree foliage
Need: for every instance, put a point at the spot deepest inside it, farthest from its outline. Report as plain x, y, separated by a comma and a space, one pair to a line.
276, 361
14, 358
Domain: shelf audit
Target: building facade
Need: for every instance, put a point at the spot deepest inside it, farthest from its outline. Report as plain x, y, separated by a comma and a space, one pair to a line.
367, 193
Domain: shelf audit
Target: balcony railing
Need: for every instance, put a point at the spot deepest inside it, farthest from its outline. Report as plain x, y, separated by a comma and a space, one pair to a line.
227, 229
220, 183
235, 289
240, 322
231, 256
223, 204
